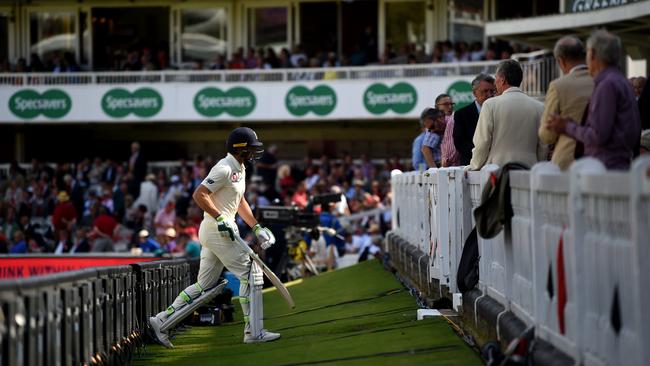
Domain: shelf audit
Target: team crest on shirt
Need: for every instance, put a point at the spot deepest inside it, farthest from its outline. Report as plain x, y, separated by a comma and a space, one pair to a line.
236, 177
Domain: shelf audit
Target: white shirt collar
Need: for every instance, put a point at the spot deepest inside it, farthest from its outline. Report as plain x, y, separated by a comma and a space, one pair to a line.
478, 106
234, 161
577, 67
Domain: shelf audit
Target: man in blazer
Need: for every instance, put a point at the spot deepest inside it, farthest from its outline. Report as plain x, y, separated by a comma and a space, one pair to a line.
465, 119
567, 96
507, 125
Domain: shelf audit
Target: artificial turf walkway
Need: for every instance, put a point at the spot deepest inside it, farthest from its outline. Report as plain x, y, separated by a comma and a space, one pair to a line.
360, 315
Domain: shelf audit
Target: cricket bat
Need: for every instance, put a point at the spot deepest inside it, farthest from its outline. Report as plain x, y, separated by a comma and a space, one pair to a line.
267, 271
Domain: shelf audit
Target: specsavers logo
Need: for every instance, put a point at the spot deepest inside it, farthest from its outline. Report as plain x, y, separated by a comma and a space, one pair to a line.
144, 102
27, 104
379, 98
237, 102
461, 93
300, 100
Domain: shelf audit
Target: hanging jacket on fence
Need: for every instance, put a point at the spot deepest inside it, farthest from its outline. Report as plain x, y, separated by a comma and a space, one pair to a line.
496, 208
468, 267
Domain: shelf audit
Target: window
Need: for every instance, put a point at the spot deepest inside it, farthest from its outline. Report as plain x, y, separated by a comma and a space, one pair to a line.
405, 26
52, 35
267, 27
203, 34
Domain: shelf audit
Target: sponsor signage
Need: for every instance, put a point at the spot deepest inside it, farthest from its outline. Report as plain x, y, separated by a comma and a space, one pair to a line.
237, 102
379, 98
580, 6
28, 266
300, 100
144, 102
28, 104
303, 100
461, 94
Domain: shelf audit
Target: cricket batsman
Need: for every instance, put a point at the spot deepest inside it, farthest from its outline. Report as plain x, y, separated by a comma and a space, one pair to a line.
221, 196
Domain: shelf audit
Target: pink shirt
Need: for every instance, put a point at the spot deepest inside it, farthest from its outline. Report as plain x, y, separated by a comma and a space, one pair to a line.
165, 220
449, 155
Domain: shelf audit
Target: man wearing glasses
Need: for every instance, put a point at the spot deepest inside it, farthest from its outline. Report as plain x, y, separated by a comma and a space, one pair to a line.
465, 119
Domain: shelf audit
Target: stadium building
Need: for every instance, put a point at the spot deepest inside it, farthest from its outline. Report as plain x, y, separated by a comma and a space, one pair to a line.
358, 95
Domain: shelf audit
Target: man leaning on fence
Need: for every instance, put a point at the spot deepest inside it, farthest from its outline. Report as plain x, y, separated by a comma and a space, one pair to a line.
567, 96
612, 126
507, 125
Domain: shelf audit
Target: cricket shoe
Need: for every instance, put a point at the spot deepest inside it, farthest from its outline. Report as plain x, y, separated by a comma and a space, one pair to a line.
159, 336
265, 336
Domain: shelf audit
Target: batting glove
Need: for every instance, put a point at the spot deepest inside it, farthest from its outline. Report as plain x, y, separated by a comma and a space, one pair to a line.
264, 236
224, 225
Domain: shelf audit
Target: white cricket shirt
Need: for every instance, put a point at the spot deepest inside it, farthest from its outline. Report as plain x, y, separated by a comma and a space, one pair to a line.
227, 182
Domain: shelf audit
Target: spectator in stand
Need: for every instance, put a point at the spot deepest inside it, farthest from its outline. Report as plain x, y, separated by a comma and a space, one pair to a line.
612, 126
189, 248
80, 242
567, 96
65, 214
300, 197
267, 167
507, 125
20, 245
466, 118
298, 54
137, 168
147, 244
449, 155
64, 244
104, 228
36, 65
433, 138
219, 63
165, 218
148, 194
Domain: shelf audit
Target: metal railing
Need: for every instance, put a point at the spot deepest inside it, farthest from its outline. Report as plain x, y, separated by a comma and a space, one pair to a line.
90, 316
244, 76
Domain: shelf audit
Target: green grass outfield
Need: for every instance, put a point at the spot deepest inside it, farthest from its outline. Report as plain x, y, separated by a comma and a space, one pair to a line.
359, 315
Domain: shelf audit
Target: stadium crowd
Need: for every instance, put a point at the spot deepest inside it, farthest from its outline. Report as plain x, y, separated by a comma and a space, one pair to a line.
103, 205
149, 59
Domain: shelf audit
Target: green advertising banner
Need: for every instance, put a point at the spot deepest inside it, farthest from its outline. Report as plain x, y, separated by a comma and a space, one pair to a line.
304, 100
379, 98
461, 93
28, 104
237, 102
144, 102
300, 100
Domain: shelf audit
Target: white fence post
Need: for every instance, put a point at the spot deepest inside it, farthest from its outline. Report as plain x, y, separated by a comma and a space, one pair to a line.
640, 214
521, 246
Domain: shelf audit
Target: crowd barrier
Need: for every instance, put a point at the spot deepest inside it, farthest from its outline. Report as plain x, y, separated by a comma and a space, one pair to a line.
572, 263
89, 316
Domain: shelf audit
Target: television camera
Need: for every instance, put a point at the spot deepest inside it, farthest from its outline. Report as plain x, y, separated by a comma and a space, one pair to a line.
296, 223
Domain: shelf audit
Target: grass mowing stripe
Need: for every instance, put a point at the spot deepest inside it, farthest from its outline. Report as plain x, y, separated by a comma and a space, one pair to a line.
349, 302
380, 354
352, 316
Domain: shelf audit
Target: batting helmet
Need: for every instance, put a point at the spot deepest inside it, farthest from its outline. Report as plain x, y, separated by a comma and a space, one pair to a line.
244, 144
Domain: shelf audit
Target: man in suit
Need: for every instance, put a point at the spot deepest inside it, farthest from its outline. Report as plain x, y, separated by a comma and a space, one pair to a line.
507, 125
465, 119
567, 96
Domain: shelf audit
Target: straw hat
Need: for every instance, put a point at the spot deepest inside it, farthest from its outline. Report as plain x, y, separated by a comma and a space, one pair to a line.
63, 196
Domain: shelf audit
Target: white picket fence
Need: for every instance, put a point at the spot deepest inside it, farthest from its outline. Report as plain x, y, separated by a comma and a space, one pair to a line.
575, 261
